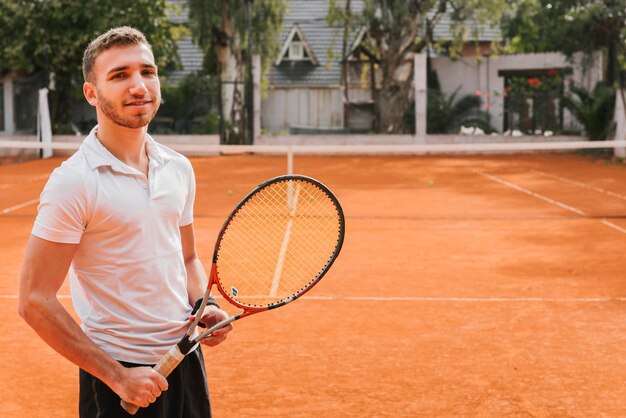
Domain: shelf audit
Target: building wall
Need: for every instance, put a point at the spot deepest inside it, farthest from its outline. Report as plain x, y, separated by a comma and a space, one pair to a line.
473, 76
311, 107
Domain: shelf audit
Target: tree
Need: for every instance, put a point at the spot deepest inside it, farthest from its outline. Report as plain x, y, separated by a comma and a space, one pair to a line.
221, 29
397, 29
594, 110
49, 37
572, 26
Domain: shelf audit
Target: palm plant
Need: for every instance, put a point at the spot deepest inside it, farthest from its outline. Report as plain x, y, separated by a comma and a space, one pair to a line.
594, 110
447, 114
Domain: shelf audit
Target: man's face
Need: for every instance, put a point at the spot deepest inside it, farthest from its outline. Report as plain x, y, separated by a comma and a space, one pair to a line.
127, 88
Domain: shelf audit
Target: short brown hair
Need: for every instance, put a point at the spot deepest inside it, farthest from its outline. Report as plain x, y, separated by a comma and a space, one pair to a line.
123, 35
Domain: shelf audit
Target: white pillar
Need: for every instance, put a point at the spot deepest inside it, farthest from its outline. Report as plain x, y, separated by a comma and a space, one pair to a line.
420, 85
9, 122
620, 121
44, 127
256, 95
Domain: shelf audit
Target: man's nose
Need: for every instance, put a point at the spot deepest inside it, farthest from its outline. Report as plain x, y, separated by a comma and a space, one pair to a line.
138, 87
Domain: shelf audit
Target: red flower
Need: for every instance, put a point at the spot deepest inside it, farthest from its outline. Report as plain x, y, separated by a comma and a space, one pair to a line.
534, 82
553, 72
478, 93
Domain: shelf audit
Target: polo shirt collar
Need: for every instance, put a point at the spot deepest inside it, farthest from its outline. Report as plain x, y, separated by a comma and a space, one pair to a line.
98, 156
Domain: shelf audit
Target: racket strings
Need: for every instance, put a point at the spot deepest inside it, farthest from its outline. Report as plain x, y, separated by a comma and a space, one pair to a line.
278, 243
305, 249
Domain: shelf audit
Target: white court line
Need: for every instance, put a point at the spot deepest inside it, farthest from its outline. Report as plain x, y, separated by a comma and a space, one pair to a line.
614, 226
17, 296
581, 184
6, 186
430, 299
531, 193
281, 260
482, 300
292, 203
547, 199
16, 207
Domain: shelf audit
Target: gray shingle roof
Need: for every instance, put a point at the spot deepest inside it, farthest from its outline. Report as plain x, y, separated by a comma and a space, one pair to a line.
190, 57
325, 42
190, 54
180, 14
311, 17
475, 31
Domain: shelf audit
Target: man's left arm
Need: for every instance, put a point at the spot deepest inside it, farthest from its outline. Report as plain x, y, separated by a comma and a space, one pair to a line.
197, 281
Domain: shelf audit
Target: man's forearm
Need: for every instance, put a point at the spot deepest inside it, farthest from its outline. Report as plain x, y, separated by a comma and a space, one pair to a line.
59, 330
197, 280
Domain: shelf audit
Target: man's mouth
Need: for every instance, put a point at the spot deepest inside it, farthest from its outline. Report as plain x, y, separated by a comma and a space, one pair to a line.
138, 103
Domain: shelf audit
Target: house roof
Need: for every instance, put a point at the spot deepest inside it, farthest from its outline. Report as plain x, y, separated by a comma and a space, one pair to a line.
325, 42
475, 30
191, 59
296, 32
190, 54
180, 12
310, 17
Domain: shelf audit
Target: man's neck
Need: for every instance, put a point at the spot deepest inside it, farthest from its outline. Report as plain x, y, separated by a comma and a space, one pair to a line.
126, 144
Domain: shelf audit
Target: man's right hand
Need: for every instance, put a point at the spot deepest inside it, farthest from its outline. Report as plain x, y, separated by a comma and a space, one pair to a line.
140, 385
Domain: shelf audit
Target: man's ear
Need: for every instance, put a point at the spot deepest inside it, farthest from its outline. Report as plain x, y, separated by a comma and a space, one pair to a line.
89, 90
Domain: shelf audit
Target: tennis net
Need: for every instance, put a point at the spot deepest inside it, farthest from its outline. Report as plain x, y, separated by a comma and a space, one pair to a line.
522, 180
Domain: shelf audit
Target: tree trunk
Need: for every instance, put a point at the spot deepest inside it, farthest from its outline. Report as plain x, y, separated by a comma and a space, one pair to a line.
395, 96
232, 87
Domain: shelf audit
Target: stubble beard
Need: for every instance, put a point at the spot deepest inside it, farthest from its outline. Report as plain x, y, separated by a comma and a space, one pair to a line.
133, 122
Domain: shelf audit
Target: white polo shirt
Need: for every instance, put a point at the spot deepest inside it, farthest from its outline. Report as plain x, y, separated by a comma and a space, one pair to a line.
128, 279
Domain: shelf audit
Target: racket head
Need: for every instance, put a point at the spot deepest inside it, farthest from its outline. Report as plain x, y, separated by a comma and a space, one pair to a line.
279, 241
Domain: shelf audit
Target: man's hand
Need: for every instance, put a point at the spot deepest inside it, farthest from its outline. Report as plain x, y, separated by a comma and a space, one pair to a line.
211, 316
139, 385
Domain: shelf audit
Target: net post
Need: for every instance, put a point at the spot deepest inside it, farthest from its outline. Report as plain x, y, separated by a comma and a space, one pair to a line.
290, 160
620, 122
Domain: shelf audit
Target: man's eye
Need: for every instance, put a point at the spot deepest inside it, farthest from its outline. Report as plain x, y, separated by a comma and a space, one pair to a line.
148, 72
119, 75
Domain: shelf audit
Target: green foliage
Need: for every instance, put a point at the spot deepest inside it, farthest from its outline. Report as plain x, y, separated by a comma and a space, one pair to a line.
399, 28
189, 107
594, 110
447, 114
569, 26
552, 81
51, 35
207, 19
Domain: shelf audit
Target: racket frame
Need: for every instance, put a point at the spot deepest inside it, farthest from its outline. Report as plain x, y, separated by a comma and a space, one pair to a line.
214, 276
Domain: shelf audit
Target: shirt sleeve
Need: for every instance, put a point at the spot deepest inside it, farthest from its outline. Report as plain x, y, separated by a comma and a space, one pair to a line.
62, 211
187, 215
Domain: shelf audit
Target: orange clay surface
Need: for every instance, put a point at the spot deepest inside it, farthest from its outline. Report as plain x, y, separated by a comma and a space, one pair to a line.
488, 286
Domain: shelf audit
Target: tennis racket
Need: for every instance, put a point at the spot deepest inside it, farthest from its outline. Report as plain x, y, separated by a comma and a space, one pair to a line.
274, 247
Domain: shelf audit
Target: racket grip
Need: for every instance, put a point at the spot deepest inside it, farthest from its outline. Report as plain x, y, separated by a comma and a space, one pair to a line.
164, 367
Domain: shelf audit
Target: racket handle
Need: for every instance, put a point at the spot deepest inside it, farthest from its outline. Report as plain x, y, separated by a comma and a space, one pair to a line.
164, 367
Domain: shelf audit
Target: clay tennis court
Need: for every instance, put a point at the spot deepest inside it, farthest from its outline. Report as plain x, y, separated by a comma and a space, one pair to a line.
485, 286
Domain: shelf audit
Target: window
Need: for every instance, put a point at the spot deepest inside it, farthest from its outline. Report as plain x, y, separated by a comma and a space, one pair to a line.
296, 51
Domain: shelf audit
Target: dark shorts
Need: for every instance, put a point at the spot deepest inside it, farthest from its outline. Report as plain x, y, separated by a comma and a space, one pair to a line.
186, 397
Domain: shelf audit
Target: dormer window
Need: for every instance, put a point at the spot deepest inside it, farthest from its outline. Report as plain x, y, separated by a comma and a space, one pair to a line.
296, 48
296, 51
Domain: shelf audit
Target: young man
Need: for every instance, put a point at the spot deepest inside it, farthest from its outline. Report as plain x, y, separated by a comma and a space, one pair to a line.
118, 215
